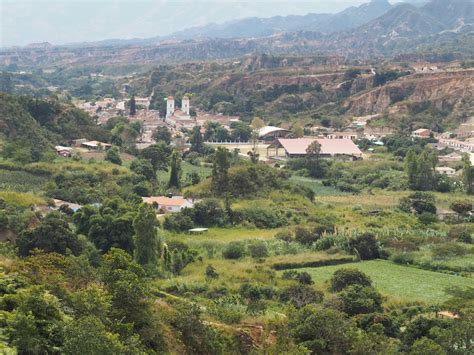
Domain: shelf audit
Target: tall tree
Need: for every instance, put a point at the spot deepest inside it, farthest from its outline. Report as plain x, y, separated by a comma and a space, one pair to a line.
313, 155
133, 106
468, 174
158, 155
113, 156
146, 240
175, 170
220, 171
411, 167
196, 140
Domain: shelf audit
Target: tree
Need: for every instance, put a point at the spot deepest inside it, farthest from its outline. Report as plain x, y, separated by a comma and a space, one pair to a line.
175, 171
257, 123
357, 299
211, 273
146, 241
133, 106
298, 130
196, 140
52, 235
144, 168
220, 171
113, 156
35, 325
321, 330
313, 154
426, 346
300, 295
158, 155
345, 277
468, 174
162, 134
88, 335
421, 169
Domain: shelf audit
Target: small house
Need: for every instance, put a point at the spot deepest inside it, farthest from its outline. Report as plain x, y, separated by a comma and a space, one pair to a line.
168, 204
445, 170
421, 133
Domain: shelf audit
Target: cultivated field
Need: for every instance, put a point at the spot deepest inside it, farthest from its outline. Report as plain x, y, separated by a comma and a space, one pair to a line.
400, 283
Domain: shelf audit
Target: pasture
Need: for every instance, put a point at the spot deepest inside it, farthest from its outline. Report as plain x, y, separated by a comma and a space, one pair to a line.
399, 283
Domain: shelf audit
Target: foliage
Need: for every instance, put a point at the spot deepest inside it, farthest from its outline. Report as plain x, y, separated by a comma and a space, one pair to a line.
145, 238
52, 235
343, 278
357, 299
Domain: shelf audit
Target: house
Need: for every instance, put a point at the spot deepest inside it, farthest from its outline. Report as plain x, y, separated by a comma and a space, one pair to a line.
96, 145
445, 170
352, 135
168, 204
270, 133
421, 133
450, 157
142, 102
63, 151
330, 148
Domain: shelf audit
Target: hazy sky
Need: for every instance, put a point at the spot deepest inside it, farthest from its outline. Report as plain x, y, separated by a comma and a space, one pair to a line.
67, 21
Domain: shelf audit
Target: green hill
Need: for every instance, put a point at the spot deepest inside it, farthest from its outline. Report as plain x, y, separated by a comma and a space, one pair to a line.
30, 127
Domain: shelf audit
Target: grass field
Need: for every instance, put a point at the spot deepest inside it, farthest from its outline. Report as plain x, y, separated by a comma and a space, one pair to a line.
400, 283
223, 235
187, 168
317, 186
20, 181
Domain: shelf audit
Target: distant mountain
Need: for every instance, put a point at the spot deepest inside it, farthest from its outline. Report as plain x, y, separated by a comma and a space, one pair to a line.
262, 27
441, 27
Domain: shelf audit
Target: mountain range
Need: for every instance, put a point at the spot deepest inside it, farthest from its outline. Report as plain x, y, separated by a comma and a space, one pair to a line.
370, 31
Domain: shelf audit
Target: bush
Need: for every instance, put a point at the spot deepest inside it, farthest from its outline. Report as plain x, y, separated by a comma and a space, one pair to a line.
262, 217
427, 218
285, 236
300, 295
461, 206
448, 250
305, 236
211, 273
365, 246
357, 299
345, 277
178, 222
304, 278
258, 250
234, 250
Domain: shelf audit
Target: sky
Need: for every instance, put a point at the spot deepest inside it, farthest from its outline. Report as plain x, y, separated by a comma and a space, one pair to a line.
69, 21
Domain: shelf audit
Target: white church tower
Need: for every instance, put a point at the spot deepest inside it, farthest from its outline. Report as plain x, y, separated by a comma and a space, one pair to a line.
185, 105
169, 106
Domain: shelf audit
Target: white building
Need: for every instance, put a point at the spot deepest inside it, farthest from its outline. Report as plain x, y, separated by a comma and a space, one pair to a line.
168, 204
445, 170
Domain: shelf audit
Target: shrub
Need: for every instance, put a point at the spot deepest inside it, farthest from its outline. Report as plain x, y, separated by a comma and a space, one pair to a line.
345, 277
304, 278
258, 250
357, 299
461, 206
262, 217
284, 235
427, 218
403, 258
234, 250
178, 222
365, 246
211, 273
305, 236
447, 250
300, 295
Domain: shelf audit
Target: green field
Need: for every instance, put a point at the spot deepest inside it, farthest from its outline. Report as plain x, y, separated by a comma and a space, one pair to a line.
317, 186
400, 282
20, 181
187, 168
